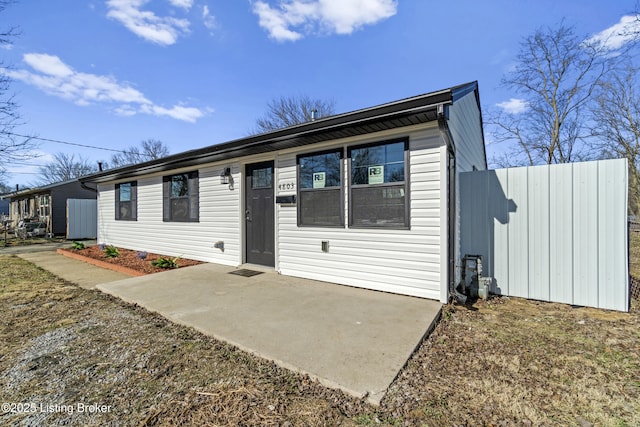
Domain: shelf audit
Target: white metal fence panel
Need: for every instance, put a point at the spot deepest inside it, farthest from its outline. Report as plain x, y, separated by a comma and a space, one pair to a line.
82, 218
552, 233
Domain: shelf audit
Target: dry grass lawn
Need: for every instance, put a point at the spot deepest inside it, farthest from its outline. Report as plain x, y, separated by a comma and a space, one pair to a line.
502, 362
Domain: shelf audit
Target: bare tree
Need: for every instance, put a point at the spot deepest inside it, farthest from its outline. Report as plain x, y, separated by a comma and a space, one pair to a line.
149, 149
616, 125
555, 76
289, 111
12, 147
64, 168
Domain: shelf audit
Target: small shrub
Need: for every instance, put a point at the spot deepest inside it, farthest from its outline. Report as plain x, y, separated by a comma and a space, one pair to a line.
142, 255
77, 245
163, 262
111, 252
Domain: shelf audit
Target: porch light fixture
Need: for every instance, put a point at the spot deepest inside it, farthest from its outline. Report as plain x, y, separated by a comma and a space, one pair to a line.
227, 178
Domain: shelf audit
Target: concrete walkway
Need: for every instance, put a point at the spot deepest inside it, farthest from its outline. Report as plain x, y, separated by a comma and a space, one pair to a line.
348, 338
78, 272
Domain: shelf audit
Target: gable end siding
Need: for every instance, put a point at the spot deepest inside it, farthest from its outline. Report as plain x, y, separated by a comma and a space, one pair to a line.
465, 125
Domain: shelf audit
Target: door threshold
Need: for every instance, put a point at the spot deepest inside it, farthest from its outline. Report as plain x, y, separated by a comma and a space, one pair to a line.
258, 267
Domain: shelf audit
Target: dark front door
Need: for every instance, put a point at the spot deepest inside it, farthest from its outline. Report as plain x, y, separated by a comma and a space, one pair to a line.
259, 214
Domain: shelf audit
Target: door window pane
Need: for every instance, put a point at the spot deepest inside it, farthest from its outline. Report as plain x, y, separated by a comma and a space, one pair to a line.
262, 178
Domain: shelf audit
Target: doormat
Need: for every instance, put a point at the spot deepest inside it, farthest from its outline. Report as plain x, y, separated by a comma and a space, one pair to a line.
245, 272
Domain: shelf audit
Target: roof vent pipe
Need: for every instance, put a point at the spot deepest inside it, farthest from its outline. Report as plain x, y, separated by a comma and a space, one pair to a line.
100, 166
314, 112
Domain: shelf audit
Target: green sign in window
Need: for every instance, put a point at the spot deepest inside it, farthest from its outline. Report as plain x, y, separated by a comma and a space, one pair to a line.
376, 175
319, 179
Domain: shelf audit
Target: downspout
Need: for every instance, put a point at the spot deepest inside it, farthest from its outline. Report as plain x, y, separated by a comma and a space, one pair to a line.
443, 116
443, 126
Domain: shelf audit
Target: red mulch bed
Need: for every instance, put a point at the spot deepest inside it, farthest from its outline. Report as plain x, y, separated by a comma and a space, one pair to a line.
131, 259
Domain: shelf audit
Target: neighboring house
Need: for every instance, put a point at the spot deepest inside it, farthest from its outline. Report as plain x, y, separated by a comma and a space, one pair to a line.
366, 198
4, 206
47, 204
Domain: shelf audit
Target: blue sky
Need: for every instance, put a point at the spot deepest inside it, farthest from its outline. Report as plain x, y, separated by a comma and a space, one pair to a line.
193, 73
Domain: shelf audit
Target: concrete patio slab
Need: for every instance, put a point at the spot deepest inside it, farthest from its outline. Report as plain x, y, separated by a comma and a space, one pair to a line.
348, 338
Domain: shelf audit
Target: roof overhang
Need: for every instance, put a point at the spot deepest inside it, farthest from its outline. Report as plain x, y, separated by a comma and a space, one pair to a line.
37, 190
407, 112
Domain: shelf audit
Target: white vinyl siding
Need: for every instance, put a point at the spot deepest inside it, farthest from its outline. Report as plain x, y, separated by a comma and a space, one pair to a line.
466, 129
400, 261
219, 220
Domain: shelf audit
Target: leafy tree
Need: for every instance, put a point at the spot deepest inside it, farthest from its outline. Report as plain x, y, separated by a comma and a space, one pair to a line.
616, 125
289, 111
556, 75
149, 149
64, 168
12, 147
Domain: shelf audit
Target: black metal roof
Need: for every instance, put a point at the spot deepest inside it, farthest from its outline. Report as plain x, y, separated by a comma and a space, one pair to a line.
406, 112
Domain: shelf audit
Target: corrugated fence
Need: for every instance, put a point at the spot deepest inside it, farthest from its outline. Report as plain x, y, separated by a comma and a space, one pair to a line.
82, 218
552, 233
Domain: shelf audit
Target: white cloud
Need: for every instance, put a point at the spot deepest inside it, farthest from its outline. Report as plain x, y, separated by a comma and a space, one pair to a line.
51, 75
47, 64
185, 4
178, 112
617, 35
146, 24
208, 19
514, 106
291, 20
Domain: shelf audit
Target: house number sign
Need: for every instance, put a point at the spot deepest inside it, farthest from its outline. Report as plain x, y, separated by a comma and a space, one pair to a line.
287, 186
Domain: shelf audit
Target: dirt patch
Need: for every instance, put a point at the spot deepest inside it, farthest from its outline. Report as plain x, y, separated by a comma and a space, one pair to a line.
62, 346
134, 260
502, 362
